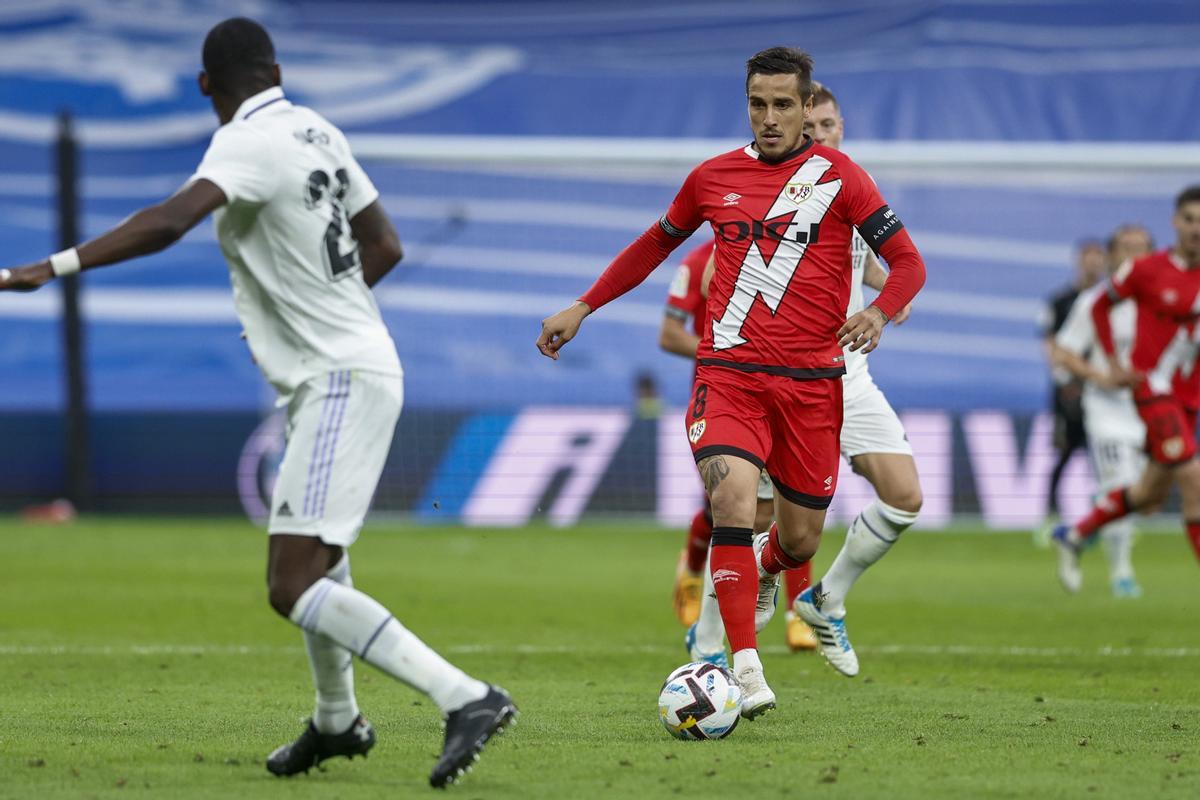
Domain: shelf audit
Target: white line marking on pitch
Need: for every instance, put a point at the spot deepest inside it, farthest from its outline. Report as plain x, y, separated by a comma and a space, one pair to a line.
1107, 651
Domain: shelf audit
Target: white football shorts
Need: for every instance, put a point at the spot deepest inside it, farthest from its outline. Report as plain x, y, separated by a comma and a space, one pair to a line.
1118, 462
339, 431
869, 424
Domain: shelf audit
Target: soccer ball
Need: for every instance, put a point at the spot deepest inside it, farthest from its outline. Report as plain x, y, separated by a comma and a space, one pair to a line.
700, 701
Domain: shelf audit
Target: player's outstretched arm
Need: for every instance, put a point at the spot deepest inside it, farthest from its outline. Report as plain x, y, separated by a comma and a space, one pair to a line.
147, 231
628, 269
378, 242
560, 328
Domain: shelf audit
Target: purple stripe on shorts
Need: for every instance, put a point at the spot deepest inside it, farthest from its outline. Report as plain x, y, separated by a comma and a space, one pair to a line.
312, 459
326, 479
321, 441
322, 459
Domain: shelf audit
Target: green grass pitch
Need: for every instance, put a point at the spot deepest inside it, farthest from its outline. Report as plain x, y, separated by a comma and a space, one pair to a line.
138, 658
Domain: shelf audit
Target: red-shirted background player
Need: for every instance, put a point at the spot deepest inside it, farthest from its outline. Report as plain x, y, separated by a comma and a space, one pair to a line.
685, 304
768, 388
1166, 287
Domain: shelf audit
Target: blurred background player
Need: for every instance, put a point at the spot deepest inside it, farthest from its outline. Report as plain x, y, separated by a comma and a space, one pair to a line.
1165, 286
306, 238
1115, 433
768, 389
1127, 242
1066, 389
873, 441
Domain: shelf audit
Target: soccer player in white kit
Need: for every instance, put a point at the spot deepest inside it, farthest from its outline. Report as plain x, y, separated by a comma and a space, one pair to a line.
872, 440
305, 237
1116, 434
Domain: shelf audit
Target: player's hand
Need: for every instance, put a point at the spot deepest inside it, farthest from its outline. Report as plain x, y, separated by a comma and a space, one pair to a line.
902, 314
862, 331
1118, 377
27, 278
561, 328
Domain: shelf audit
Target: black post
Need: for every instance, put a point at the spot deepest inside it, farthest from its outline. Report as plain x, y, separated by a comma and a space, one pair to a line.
78, 454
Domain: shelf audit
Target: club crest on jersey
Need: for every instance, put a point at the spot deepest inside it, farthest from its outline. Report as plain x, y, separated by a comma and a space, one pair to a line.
1173, 448
798, 192
696, 431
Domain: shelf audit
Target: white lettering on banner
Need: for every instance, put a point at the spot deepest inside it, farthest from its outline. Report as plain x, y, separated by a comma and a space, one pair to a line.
680, 492
1011, 490
541, 443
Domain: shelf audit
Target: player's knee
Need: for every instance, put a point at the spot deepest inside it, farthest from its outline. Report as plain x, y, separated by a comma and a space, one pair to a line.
282, 594
799, 542
909, 499
728, 509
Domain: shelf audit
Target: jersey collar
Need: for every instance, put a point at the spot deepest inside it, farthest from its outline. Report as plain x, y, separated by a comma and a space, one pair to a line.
803, 148
269, 97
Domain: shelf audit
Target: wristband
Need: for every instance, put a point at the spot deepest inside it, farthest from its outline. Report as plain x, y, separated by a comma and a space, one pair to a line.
65, 262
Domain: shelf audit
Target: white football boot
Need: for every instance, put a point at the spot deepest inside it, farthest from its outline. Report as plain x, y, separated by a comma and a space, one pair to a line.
757, 697
833, 642
768, 588
1070, 575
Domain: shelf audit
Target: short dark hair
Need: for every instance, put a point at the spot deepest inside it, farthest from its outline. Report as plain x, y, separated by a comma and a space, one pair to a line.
782, 61
1189, 195
821, 94
238, 54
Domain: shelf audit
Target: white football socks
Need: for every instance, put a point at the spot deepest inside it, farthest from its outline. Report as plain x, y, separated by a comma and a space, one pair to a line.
871, 535
363, 626
1118, 545
333, 670
710, 629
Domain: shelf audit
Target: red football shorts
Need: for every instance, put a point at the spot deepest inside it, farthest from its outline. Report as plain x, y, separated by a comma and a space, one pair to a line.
1170, 428
791, 427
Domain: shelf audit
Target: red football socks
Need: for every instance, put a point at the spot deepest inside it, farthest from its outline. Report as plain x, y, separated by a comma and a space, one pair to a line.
796, 581
699, 535
1112, 506
774, 559
735, 578
1193, 532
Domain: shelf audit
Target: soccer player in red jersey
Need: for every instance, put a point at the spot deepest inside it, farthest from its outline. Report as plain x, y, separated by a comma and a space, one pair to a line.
768, 390
1166, 389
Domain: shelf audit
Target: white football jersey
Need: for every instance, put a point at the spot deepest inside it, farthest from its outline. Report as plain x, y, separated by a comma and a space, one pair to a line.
856, 360
292, 187
1110, 411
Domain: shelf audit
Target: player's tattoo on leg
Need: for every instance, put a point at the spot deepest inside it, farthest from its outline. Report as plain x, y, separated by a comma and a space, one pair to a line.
714, 470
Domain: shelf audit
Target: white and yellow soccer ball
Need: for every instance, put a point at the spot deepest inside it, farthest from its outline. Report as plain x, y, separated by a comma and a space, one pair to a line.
700, 701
